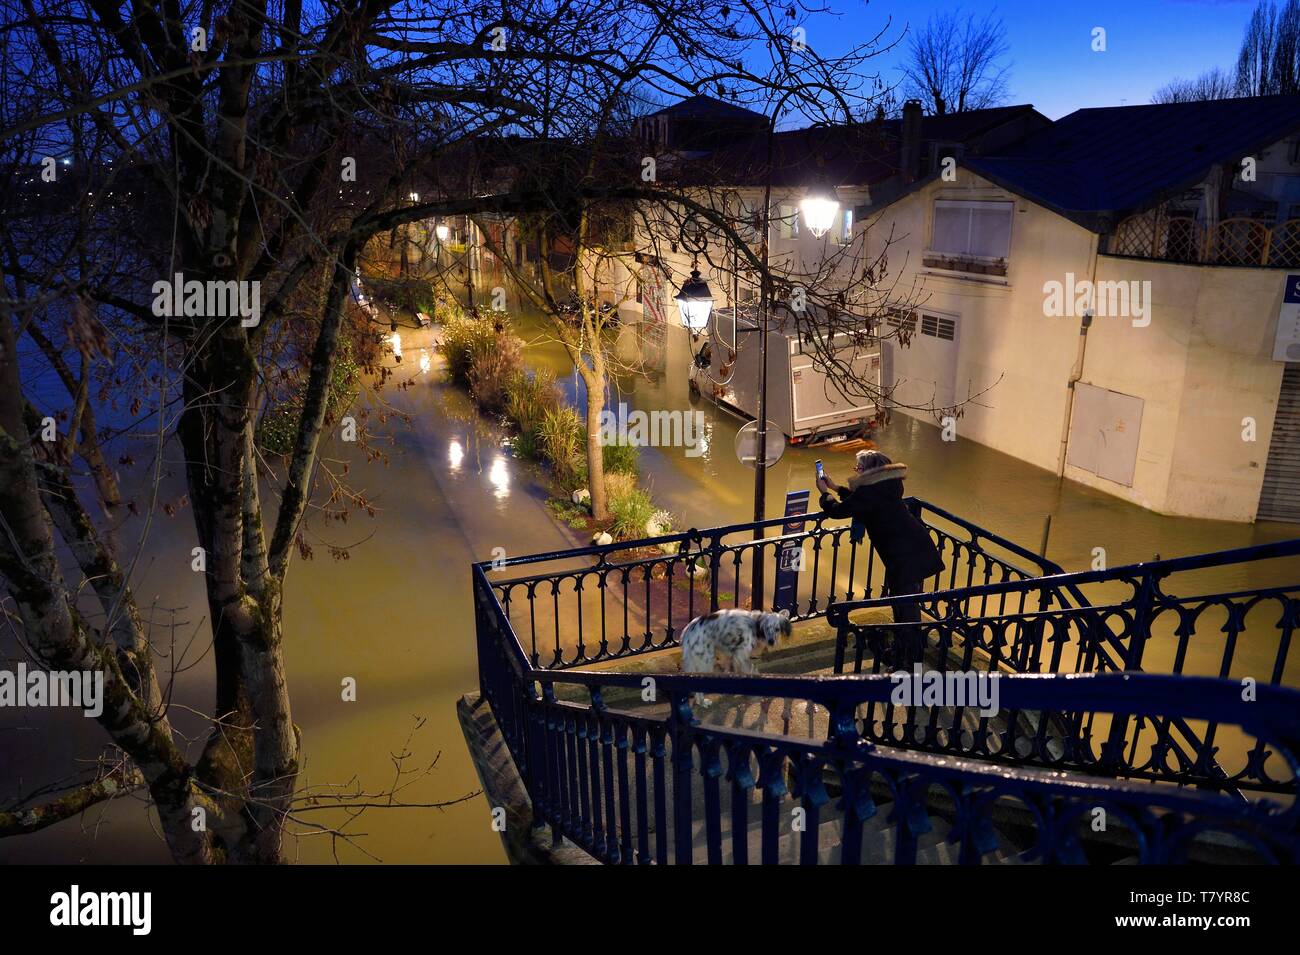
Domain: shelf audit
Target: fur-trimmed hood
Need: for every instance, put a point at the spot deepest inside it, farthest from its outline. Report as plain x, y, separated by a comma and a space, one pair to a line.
887, 472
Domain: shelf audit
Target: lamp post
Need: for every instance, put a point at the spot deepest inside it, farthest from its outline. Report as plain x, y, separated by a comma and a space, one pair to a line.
819, 206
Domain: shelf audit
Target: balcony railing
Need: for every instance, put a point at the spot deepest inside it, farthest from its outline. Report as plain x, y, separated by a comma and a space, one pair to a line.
1079, 731
1237, 241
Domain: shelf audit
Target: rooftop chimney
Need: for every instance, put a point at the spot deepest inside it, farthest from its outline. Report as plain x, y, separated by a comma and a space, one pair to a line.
909, 150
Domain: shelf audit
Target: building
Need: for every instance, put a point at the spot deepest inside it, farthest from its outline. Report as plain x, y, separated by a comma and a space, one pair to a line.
865, 163
1108, 298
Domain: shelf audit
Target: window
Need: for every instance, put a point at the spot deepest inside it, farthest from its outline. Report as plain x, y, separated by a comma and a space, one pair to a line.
787, 221
846, 227
971, 229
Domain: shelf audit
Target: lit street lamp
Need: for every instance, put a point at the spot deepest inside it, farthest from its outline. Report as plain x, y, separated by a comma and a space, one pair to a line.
442, 232
695, 302
820, 207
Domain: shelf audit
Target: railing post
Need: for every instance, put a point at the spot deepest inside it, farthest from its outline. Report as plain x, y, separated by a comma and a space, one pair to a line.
1141, 622
715, 562
679, 727
1113, 749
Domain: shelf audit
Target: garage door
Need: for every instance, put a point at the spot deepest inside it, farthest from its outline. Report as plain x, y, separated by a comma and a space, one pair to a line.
1279, 500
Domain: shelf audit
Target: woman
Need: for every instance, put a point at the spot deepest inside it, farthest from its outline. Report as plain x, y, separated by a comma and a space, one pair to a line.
874, 500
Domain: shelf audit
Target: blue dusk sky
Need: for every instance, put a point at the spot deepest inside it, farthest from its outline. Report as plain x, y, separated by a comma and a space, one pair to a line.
1148, 43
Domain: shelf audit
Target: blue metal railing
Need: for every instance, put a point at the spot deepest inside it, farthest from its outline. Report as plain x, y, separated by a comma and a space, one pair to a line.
962, 632
591, 604
610, 777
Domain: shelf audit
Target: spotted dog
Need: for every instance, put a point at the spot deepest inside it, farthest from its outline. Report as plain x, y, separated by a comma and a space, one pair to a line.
734, 634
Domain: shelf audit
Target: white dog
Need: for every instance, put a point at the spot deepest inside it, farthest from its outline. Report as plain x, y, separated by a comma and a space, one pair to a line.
734, 634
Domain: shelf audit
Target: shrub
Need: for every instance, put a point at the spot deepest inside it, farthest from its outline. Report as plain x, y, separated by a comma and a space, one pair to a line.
618, 484
526, 444
560, 436
663, 520
620, 458
277, 429
529, 396
464, 337
492, 369
630, 506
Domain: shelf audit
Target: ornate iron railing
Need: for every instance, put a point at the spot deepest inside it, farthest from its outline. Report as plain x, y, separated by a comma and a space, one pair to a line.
1148, 628
591, 604
618, 763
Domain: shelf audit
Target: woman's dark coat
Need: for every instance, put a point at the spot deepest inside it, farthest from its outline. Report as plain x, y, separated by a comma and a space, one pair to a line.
874, 499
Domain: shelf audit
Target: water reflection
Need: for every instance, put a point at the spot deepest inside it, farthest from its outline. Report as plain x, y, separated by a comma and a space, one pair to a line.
455, 454
499, 475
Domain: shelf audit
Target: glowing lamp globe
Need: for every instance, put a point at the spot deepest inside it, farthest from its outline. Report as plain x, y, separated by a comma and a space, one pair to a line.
442, 232
819, 210
695, 302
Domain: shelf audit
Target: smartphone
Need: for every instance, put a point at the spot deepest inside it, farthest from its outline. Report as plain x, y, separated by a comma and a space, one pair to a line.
820, 472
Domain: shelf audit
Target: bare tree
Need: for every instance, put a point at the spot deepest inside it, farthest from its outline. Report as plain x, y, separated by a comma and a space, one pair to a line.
958, 63
1268, 63
1212, 84
256, 147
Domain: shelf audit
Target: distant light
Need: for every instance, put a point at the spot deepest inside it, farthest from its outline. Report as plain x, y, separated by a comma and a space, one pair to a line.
455, 454
414, 196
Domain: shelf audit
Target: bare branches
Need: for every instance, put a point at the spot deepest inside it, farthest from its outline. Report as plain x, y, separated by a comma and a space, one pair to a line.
958, 63
111, 779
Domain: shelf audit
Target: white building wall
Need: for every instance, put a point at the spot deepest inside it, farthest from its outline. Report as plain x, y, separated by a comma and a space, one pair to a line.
1013, 362
1200, 367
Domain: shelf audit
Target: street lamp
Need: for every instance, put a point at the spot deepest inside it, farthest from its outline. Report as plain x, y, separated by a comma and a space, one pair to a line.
820, 206
695, 302
442, 232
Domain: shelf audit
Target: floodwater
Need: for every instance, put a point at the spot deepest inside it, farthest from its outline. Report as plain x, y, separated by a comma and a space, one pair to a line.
996, 491
1002, 494
396, 615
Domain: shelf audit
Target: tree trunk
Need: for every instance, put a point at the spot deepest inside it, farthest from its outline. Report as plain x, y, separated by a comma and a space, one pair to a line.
594, 379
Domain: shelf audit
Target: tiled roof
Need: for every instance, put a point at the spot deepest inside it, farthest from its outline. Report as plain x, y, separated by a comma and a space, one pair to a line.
857, 154
1095, 165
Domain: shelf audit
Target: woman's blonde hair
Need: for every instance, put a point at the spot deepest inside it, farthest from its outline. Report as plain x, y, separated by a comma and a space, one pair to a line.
868, 460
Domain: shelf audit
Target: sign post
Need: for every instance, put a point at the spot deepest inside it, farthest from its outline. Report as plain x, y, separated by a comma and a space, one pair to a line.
789, 564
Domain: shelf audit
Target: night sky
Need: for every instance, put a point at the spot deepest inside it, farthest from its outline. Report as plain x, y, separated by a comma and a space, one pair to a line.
1149, 42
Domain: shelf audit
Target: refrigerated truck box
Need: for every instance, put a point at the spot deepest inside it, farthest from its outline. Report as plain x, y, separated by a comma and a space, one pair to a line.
801, 399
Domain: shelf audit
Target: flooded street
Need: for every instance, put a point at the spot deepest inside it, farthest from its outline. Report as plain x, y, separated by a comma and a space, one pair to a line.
1006, 496
996, 491
396, 615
